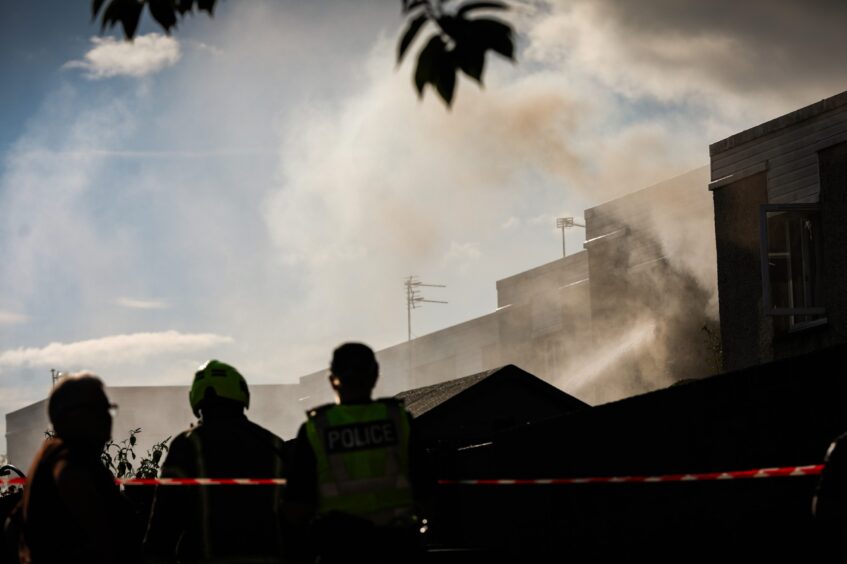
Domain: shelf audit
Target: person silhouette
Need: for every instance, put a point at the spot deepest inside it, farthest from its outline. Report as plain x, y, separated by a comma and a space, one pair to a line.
219, 523
356, 472
72, 509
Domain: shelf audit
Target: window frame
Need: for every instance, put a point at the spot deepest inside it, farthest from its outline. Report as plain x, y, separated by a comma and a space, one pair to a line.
769, 310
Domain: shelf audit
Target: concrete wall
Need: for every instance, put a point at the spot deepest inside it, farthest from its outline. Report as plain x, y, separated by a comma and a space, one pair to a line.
159, 411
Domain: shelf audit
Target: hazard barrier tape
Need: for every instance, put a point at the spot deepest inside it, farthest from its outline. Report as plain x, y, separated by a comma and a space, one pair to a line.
783, 472
177, 481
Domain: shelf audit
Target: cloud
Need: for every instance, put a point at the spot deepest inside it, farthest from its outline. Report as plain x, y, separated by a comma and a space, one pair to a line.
110, 56
141, 304
463, 251
10, 318
111, 350
720, 55
511, 222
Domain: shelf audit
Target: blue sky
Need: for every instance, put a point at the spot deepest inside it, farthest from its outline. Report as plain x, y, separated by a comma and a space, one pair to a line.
256, 187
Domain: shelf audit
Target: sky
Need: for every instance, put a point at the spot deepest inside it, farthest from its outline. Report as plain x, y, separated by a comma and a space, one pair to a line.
256, 187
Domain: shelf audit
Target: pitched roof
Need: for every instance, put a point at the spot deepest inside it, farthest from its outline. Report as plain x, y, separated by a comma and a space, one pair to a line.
422, 400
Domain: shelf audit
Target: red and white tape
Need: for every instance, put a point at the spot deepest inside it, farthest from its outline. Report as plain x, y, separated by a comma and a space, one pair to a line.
177, 481
783, 472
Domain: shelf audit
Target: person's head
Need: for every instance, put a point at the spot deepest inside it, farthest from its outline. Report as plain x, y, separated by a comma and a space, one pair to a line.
79, 411
218, 388
353, 372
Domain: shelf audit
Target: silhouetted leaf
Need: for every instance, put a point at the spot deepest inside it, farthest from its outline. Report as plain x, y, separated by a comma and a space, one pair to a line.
127, 12
207, 6
471, 6
409, 35
409, 5
471, 60
446, 79
427, 60
451, 26
494, 35
163, 12
132, 440
437, 66
95, 8
184, 6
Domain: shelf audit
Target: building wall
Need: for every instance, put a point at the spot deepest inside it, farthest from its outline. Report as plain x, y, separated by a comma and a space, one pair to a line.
796, 158
787, 148
539, 313
159, 411
745, 332
652, 283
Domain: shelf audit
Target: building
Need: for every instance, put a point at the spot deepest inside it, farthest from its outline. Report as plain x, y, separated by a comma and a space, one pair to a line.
471, 410
159, 411
780, 205
622, 317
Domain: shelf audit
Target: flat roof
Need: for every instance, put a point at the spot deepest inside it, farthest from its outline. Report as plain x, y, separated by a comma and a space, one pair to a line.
781, 122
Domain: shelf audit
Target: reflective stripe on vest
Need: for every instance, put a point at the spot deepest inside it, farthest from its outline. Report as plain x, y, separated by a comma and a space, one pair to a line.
362, 454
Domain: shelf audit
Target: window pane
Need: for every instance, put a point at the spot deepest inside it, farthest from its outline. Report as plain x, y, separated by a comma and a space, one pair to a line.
793, 239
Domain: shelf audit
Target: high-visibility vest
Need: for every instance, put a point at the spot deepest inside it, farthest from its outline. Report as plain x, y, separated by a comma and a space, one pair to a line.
362, 455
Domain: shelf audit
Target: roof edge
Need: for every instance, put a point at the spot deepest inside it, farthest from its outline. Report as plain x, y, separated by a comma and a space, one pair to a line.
781, 122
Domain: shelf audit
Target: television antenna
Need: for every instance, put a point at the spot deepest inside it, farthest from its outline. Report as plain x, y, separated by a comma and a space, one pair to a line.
414, 299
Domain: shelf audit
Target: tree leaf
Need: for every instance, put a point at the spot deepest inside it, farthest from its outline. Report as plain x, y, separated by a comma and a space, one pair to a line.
184, 6
127, 12
207, 6
494, 35
409, 5
95, 8
132, 440
471, 6
437, 66
446, 78
471, 59
409, 35
164, 13
427, 62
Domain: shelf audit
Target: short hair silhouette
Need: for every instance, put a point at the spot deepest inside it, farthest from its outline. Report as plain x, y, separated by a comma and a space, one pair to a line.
75, 392
354, 361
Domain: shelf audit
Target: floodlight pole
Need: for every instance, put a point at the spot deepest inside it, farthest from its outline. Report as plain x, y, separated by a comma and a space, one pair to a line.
564, 223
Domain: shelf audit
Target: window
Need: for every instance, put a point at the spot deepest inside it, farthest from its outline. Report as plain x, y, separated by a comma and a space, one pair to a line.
791, 265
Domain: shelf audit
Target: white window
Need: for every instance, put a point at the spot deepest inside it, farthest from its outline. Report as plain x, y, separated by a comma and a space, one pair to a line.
791, 265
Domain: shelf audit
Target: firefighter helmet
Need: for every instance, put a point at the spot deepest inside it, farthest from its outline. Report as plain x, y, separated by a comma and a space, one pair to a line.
220, 379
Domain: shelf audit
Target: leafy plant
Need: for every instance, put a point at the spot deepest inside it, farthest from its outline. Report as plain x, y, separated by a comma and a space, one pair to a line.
119, 458
460, 42
149, 465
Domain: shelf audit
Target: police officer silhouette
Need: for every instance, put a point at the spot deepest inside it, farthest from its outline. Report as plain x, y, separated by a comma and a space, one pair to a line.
356, 469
